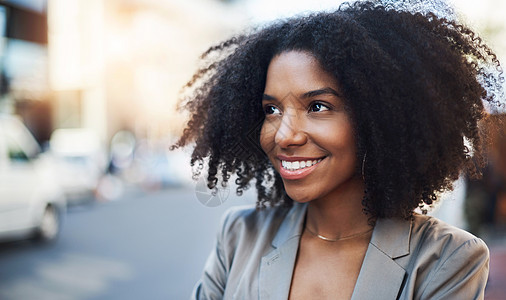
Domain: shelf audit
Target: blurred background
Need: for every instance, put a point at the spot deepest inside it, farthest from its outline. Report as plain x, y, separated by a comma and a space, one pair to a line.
92, 203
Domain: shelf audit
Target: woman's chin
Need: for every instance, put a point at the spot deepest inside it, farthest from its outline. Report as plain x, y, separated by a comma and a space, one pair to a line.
297, 197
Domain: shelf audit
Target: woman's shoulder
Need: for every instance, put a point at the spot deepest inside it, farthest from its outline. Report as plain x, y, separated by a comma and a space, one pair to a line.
444, 261
244, 227
247, 233
443, 250
431, 230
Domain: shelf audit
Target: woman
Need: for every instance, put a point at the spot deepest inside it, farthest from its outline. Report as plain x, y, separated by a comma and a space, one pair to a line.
346, 122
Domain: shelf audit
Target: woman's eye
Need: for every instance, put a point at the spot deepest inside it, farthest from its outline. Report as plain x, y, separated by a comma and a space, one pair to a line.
271, 110
317, 106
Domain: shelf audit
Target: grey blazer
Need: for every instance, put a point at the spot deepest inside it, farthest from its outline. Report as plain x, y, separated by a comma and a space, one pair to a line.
420, 259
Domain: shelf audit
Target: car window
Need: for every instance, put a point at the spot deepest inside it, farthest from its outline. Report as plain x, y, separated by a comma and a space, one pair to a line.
12, 137
14, 150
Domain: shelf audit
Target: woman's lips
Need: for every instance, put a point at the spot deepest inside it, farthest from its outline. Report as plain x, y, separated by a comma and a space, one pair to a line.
293, 169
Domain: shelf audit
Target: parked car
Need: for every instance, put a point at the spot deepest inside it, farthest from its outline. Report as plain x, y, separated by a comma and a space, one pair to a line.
32, 204
80, 160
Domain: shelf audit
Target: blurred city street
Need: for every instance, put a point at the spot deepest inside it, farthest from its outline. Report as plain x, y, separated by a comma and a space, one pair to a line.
141, 246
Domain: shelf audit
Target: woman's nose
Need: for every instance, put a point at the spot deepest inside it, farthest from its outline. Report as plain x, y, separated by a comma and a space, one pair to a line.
290, 131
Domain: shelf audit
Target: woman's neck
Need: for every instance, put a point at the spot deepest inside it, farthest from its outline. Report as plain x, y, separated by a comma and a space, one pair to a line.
340, 213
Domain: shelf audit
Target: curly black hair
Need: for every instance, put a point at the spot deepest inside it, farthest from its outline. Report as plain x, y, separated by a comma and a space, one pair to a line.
415, 85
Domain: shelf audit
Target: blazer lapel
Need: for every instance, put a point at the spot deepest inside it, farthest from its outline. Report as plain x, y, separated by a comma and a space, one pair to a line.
380, 276
276, 268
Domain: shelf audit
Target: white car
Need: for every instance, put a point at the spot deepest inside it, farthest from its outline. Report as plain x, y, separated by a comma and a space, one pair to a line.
32, 204
80, 161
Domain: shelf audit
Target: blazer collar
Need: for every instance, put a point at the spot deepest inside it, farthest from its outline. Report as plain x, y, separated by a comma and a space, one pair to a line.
276, 268
390, 240
392, 237
292, 225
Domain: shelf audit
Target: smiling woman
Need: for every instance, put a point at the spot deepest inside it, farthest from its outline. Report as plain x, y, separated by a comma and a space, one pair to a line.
347, 122
306, 123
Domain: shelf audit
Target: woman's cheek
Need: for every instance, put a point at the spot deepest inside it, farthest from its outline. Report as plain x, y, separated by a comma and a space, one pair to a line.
267, 135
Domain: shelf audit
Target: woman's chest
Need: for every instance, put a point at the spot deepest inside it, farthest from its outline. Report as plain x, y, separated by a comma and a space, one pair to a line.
326, 271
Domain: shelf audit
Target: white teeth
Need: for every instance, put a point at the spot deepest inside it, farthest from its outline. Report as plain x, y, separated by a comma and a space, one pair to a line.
296, 165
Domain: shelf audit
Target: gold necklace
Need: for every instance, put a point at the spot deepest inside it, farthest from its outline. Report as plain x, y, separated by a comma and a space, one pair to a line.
338, 239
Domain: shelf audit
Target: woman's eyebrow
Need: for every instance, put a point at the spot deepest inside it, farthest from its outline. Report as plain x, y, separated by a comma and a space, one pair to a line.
309, 94
268, 97
319, 92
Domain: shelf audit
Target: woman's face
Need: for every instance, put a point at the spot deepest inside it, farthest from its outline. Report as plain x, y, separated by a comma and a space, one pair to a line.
307, 133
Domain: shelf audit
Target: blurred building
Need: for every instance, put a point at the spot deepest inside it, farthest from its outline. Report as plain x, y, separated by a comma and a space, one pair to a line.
24, 87
105, 65
119, 64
